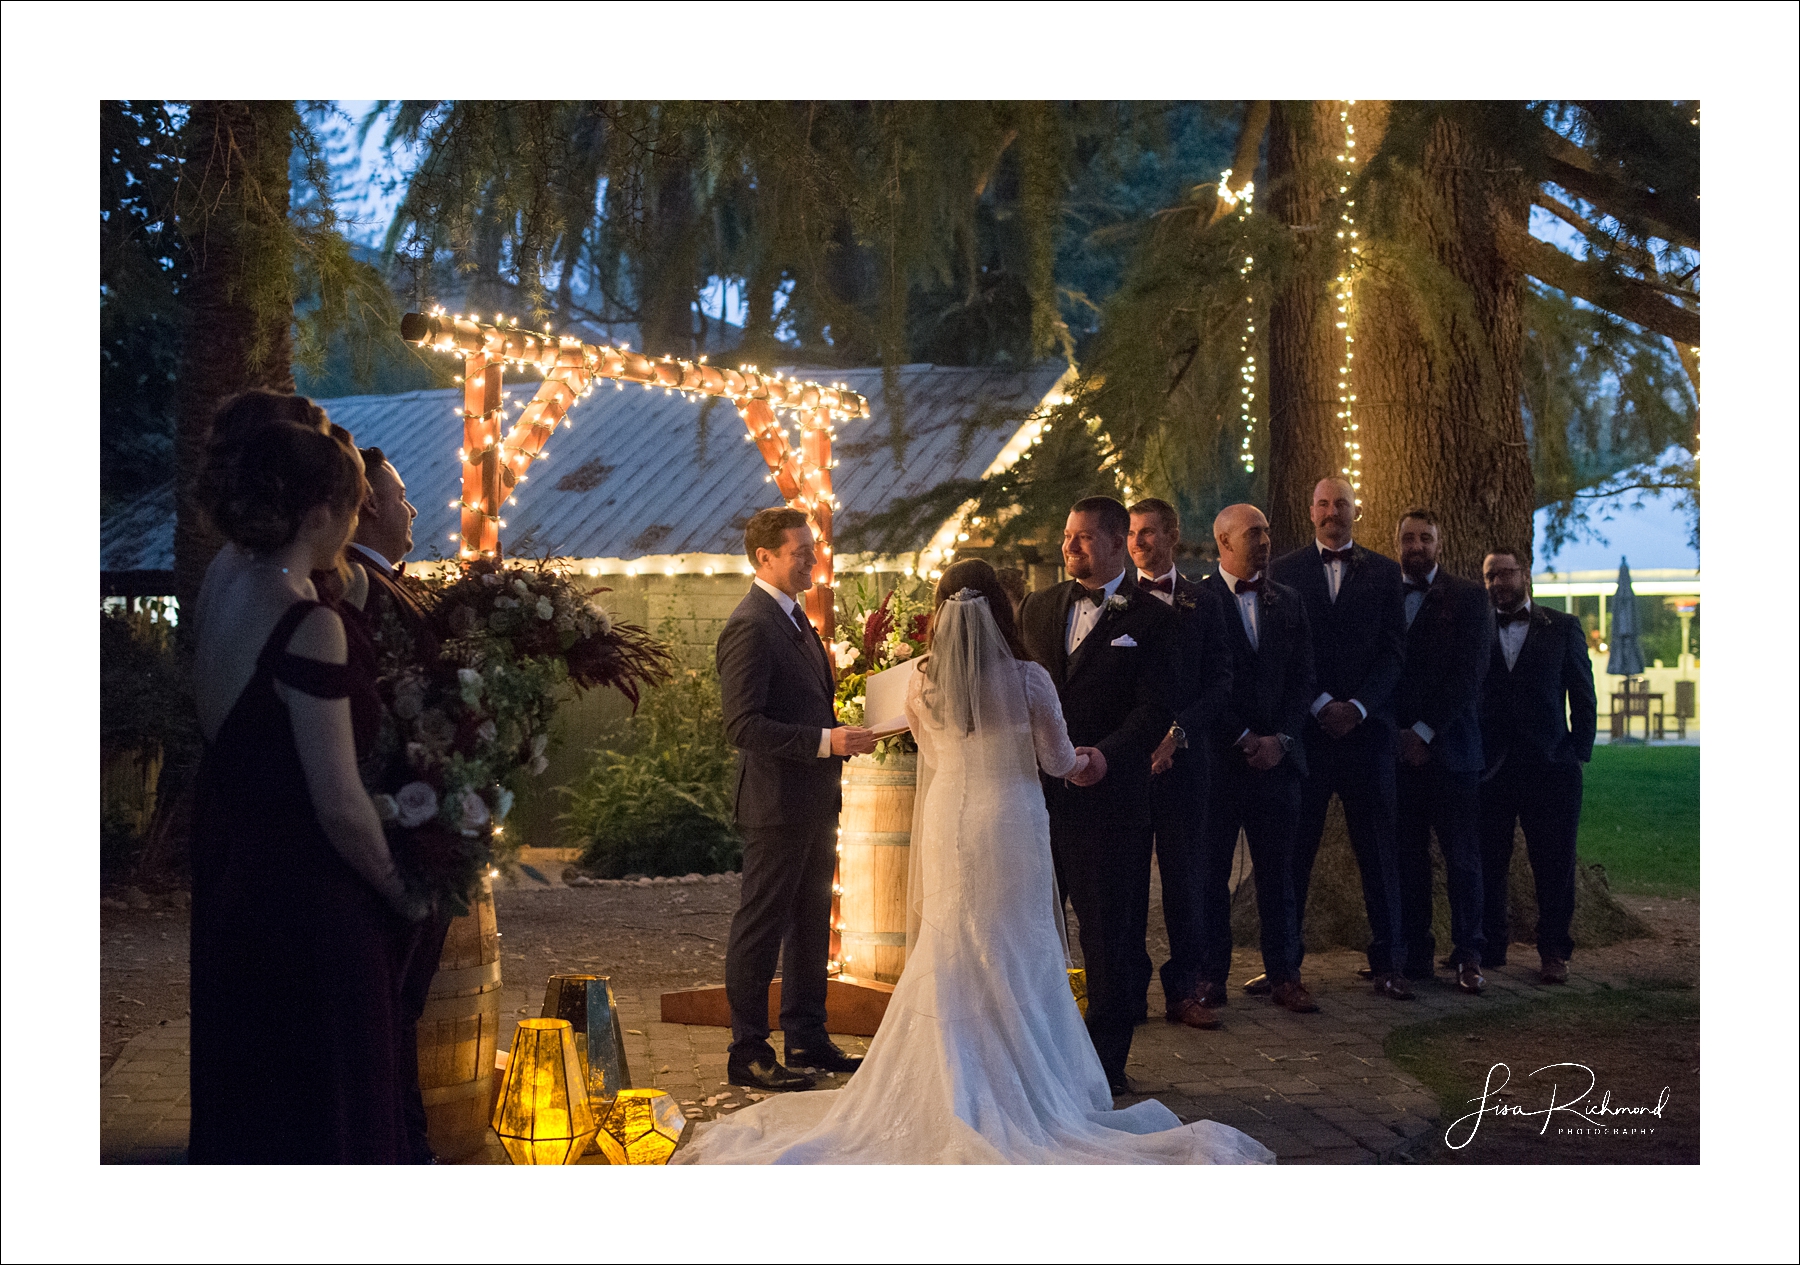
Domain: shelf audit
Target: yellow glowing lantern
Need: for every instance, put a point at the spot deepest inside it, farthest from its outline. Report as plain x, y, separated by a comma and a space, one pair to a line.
1078, 986
640, 1126
542, 1115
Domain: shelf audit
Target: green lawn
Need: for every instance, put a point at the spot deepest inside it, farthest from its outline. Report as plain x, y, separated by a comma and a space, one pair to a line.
1640, 818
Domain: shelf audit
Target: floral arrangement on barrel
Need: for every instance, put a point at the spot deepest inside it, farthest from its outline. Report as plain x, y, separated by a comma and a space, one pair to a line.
459, 734
873, 636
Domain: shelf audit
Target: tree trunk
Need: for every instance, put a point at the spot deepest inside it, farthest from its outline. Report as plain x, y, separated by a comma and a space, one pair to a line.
238, 299
1304, 443
1438, 376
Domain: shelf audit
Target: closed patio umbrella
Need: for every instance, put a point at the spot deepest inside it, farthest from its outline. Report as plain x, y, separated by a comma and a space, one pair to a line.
1626, 657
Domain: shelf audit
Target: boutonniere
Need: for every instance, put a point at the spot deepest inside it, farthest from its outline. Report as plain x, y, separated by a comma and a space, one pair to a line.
1117, 602
1185, 601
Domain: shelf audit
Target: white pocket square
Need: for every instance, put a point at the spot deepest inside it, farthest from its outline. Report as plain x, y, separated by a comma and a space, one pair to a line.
1124, 641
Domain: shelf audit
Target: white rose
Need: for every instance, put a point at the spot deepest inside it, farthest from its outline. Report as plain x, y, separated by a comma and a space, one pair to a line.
539, 764
545, 608
470, 681
844, 653
538, 744
903, 650
386, 808
416, 803
473, 810
491, 579
523, 589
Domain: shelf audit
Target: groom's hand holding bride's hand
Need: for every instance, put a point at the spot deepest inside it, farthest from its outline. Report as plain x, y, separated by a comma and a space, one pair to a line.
1091, 772
847, 740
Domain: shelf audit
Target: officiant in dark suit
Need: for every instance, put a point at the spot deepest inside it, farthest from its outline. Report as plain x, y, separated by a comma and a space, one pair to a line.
1108, 647
1179, 767
1537, 730
776, 685
1258, 760
383, 539
1354, 608
1449, 639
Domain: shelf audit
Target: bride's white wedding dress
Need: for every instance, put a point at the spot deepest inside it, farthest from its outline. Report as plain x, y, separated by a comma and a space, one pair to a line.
982, 1057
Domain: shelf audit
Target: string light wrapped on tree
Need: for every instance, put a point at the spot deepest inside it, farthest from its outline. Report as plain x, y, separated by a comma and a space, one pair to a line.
1343, 296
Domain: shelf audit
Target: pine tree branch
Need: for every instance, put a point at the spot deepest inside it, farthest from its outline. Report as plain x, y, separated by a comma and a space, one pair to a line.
1637, 256
1243, 158
1626, 297
1574, 168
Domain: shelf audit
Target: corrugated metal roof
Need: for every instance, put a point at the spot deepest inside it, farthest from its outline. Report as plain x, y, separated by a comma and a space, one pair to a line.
632, 476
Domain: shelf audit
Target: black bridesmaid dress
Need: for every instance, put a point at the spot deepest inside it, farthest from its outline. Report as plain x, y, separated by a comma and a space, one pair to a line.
293, 993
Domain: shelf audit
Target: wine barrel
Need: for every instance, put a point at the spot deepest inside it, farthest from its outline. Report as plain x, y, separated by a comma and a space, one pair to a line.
458, 1032
874, 844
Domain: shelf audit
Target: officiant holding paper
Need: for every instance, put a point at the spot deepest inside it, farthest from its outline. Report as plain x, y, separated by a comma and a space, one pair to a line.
776, 685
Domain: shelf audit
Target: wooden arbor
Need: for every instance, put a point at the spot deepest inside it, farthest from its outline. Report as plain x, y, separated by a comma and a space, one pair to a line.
494, 464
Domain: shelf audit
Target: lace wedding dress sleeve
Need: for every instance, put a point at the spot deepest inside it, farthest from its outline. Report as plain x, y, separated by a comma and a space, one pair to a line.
1049, 733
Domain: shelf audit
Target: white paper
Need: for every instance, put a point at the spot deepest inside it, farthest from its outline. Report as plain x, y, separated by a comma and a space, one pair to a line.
884, 700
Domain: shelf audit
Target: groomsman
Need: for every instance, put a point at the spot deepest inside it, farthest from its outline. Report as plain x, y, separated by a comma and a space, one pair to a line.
1178, 767
1353, 605
1258, 761
1537, 730
382, 541
1449, 638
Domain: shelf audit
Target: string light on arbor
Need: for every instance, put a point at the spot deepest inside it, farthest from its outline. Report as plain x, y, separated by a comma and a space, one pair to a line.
1243, 200
1343, 297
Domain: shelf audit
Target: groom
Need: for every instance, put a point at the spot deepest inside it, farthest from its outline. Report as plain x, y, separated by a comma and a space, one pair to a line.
1109, 648
776, 685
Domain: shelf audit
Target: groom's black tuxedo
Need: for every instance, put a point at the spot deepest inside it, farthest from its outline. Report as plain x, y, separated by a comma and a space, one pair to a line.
1117, 691
776, 687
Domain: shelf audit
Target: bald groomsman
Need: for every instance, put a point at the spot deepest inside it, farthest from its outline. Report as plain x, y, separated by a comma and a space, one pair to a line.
1537, 730
1178, 768
1353, 605
1449, 637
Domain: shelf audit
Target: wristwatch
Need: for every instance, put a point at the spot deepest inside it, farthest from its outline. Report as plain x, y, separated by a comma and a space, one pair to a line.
1180, 735
1287, 744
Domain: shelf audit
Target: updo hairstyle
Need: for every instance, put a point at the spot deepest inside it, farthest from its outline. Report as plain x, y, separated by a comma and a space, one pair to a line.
260, 484
974, 573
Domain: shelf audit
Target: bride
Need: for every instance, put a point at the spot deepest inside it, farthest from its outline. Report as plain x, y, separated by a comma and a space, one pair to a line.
982, 1057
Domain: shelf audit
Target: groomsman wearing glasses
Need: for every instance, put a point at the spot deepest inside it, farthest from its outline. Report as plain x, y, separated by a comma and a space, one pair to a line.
1449, 640
1258, 763
1178, 767
1537, 730
1353, 604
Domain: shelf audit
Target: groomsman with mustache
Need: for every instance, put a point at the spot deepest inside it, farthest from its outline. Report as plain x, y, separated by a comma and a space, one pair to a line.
1449, 640
1353, 605
1537, 730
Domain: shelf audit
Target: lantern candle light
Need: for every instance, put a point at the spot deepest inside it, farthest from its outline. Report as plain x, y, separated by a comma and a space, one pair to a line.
543, 1115
641, 1126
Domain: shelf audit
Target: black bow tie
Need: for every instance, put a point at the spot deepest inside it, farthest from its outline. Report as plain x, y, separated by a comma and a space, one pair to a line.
1249, 586
1096, 596
1337, 555
1503, 618
1164, 585
1417, 586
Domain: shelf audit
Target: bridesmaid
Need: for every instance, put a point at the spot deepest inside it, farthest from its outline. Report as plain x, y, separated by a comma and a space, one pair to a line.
296, 897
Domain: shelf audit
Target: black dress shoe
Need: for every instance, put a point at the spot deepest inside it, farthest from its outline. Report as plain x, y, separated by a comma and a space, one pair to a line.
1119, 1086
1258, 986
821, 1056
1392, 987
764, 1073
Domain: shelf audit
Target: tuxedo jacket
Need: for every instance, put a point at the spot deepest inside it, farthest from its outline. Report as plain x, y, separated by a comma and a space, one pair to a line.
1522, 707
1117, 689
388, 591
1203, 663
777, 689
1448, 649
1359, 640
1271, 685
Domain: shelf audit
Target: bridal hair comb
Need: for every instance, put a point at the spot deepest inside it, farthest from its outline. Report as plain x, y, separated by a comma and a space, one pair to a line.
968, 595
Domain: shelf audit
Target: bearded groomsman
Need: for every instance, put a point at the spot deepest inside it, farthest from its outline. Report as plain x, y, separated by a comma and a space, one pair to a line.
1258, 763
1178, 767
1449, 639
1353, 605
1537, 730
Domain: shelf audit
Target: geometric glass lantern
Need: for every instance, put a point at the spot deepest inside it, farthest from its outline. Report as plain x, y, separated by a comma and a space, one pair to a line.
1078, 986
542, 1115
586, 1001
640, 1126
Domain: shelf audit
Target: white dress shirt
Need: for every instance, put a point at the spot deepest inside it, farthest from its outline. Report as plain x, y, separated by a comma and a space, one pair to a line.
1083, 614
792, 608
1415, 598
1334, 580
1247, 607
1167, 599
1512, 637
386, 566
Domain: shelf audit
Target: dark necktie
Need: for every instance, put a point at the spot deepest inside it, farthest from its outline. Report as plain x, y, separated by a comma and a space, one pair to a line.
1164, 585
1337, 555
1520, 616
1250, 586
1096, 596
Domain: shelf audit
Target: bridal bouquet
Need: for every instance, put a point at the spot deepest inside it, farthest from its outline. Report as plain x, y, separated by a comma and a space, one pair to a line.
459, 734
874, 636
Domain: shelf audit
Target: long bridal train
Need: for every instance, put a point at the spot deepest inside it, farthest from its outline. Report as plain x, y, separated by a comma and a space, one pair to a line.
983, 1057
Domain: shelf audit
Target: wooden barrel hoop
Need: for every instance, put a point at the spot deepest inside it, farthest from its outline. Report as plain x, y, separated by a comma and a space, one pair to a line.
874, 846
458, 1033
